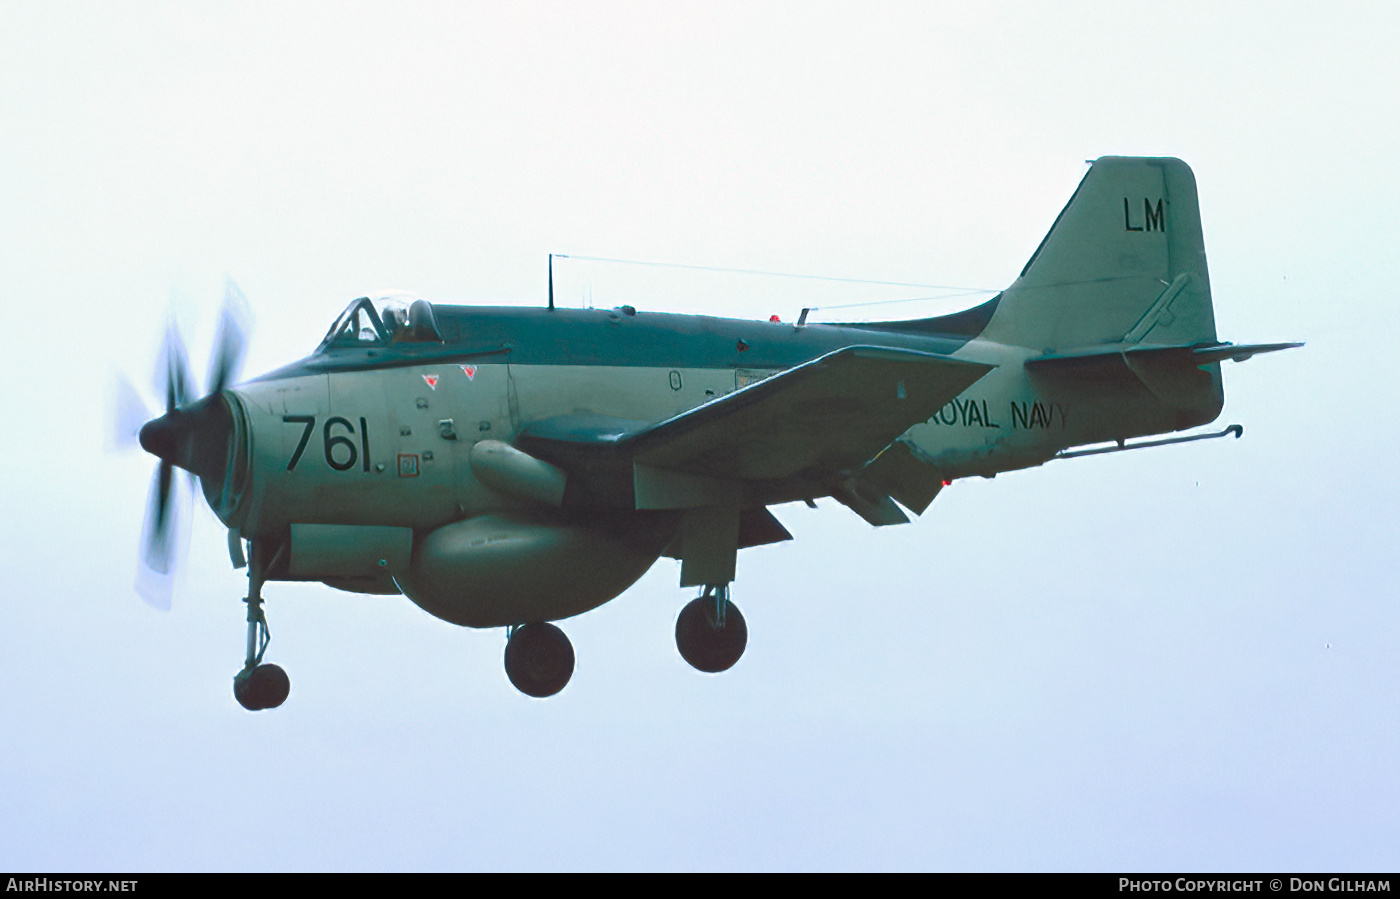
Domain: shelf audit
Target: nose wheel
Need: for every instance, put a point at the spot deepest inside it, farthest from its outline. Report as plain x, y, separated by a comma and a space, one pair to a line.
710, 632
259, 686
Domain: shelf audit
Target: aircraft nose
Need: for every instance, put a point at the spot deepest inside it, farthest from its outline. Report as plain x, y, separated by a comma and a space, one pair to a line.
194, 437
161, 436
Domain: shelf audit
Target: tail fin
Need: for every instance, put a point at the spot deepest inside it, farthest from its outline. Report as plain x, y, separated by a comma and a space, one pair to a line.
1124, 263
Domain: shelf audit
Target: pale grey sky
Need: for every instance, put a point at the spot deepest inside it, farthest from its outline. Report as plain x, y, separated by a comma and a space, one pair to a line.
1174, 659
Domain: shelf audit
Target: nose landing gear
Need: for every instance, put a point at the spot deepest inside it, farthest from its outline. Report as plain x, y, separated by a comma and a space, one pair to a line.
710, 632
259, 686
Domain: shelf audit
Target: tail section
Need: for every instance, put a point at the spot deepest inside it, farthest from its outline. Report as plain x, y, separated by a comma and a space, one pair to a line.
1124, 263
1111, 324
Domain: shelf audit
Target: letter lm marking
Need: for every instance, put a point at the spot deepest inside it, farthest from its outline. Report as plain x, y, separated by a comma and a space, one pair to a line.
1154, 217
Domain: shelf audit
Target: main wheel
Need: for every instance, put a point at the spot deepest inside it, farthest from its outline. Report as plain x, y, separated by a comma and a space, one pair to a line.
265, 687
703, 642
539, 659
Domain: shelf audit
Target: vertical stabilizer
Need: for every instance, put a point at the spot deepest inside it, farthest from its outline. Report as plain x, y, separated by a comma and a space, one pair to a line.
1124, 263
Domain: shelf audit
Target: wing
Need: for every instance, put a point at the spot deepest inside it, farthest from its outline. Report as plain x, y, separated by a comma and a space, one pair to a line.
833, 413
823, 418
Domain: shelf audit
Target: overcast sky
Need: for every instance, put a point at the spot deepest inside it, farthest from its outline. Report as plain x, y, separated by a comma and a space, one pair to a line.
1177, 658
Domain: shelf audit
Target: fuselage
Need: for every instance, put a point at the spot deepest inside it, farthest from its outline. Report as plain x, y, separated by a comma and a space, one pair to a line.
380, 434
356, 466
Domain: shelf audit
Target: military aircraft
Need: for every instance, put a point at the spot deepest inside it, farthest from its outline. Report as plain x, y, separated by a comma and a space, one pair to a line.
511, 467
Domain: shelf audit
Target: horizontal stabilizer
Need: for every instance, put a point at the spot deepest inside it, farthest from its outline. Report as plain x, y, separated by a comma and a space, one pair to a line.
1234, 352
1193, 355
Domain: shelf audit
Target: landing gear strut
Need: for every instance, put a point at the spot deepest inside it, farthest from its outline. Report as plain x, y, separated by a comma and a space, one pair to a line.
259, 686
539, 659
710, 632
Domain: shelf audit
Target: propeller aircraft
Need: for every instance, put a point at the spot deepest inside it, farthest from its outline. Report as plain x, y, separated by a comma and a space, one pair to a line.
512, 467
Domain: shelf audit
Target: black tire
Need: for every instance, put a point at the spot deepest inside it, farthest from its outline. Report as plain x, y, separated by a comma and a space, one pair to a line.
265, 687
705, 646
539, 659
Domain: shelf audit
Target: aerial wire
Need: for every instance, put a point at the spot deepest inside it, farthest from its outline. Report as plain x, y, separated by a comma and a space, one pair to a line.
963, 292
753, 271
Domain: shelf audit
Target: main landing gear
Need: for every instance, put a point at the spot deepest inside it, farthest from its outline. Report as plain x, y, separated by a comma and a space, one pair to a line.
710, 632
539, 659
259, 686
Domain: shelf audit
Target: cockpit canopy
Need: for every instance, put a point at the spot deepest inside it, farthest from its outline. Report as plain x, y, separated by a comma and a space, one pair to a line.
387, 320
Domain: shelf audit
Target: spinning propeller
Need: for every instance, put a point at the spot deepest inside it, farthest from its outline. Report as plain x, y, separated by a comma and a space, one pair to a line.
194, 434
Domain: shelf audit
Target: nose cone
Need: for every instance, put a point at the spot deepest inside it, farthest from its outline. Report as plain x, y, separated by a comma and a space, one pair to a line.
161, 436
195, 437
